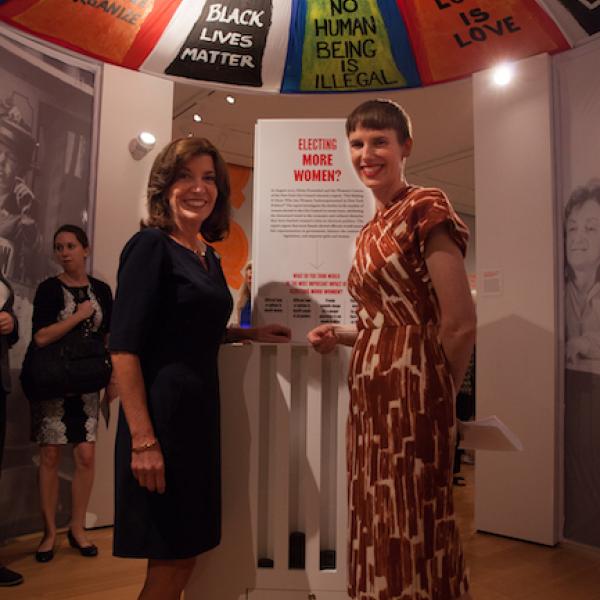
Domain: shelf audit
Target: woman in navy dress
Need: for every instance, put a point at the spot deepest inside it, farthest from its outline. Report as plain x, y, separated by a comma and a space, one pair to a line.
170, 316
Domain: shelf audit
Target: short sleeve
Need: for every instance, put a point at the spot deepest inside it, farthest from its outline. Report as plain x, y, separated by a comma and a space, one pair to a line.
137, 300
431, 208
47, 304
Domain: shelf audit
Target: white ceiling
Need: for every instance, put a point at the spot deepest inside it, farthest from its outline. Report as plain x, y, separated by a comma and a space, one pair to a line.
442, 119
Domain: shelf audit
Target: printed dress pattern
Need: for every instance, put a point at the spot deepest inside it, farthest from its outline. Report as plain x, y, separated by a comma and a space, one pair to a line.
403, 539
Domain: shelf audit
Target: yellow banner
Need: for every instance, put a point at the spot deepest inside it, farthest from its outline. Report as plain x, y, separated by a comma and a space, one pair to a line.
346, 47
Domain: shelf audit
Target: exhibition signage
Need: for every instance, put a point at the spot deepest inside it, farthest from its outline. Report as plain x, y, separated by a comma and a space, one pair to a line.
308, 208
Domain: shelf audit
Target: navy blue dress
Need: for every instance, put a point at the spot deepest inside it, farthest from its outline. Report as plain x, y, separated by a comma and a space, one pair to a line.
171, 312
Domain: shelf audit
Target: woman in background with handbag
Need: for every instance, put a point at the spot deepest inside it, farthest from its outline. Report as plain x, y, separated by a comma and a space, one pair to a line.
65, 304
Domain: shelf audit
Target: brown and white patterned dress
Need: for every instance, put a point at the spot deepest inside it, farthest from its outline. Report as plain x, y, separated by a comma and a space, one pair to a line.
403, 539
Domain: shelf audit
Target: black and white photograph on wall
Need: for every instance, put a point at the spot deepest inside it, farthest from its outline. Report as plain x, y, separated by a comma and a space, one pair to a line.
47, 141
582, 362
578, 128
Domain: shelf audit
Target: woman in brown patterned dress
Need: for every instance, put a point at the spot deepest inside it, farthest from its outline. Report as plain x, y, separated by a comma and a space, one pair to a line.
411, 347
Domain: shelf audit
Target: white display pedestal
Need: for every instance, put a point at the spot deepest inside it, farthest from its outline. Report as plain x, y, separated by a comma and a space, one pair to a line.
283, 421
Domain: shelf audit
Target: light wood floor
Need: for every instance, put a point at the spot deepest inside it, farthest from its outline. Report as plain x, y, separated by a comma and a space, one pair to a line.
501, 569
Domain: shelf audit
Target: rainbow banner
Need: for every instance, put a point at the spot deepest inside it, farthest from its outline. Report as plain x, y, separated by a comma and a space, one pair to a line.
347, 45
295, 46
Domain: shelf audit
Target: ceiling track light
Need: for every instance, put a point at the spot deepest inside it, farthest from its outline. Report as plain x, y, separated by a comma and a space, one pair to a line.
140, 145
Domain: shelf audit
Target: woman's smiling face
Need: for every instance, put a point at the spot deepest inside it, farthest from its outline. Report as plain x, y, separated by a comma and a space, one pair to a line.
378, 157
193, 194
583, 237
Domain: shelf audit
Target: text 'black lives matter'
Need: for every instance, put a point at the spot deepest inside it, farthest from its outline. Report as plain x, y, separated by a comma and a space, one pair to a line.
226, 44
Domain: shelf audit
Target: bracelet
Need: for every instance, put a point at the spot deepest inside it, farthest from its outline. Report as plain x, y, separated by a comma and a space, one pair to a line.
145, 446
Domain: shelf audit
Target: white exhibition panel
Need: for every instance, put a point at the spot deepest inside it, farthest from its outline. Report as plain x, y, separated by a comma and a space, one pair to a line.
283, 421
308, 208
517, 493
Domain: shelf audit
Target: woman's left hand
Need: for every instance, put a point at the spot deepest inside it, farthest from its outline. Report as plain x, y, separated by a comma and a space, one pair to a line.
273, 333
7, 323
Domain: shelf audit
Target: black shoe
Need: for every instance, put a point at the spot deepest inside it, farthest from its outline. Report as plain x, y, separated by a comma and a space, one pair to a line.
90, 550
8, 577
44, 556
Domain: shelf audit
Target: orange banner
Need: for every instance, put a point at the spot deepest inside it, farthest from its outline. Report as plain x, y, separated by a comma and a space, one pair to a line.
105, 29
454, 38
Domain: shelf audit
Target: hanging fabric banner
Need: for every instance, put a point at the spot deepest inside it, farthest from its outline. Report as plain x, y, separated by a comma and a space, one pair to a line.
346, 45
309, 46
452, 39
119, 31
226, 44
587, 13
238, 43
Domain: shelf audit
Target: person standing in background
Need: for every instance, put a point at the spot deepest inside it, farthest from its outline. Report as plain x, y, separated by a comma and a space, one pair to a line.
9, 334
69, 301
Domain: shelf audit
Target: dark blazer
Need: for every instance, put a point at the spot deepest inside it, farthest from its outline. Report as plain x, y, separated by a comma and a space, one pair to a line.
6, 341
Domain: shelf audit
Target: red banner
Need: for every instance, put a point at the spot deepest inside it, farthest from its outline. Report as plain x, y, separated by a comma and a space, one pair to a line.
454, 38
117, 31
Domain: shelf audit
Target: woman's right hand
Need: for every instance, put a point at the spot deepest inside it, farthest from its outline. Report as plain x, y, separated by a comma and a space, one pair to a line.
84, 310
7, 323
148, 467
323, 338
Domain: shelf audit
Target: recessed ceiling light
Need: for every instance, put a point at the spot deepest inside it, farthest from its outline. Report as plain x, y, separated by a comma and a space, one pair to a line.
197, 118
230, 99
503, 74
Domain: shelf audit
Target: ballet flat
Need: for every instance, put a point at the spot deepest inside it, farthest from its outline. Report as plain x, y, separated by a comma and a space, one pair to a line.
44, 556
90, 550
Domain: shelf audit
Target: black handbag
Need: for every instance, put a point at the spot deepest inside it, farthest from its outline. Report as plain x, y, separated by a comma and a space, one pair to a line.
77, 363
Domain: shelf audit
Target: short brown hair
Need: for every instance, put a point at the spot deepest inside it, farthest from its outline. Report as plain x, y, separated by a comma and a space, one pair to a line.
165, 170
380, 114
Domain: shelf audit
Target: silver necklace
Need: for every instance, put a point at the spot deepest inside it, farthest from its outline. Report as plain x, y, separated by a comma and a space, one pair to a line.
197, 251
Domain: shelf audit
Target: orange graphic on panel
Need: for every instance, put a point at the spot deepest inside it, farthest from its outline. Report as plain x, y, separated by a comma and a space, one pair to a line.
454, 38
104, 29
233, 250
238, 177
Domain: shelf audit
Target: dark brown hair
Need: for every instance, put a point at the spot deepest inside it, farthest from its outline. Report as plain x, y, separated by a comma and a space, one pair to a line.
79, 233
380, 114
165, 170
